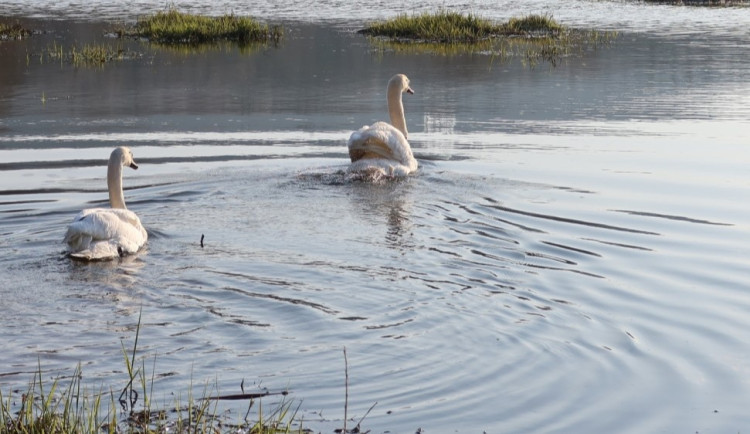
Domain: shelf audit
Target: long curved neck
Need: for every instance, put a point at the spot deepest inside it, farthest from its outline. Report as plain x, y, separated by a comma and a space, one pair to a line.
114, 184
396, 110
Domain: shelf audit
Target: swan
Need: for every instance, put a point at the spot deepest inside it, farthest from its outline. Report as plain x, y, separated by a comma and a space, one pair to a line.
381, 148
106, 233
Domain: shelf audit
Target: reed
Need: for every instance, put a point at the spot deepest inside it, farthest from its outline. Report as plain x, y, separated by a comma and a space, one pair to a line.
175, 27
58, 409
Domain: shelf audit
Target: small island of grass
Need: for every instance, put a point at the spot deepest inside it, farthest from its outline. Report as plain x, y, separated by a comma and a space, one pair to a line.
453, 27
174, 27
533, 38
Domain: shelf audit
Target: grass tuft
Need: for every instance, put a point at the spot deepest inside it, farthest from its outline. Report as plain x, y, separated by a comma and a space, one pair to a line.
532, 24
175, 27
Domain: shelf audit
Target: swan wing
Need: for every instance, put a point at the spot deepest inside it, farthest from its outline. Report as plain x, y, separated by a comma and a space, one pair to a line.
102, 233
380, 141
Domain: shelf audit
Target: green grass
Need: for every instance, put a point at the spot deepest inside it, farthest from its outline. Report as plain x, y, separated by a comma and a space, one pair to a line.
13, 31
532, 24
534, 38
65, 406
86, 55
454, 27
445, 27
174, 27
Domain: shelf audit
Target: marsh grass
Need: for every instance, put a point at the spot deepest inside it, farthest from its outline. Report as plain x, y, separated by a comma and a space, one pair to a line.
64, 406
50, 409
533, 38
175, 27
13, 31
543, 25
86, 55
453, 27
441, 27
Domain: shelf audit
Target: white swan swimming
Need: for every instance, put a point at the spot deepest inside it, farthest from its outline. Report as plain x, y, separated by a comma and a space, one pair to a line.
382, 148
106, 233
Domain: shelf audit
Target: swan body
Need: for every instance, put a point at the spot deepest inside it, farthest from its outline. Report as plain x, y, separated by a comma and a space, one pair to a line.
106, 233
382, 148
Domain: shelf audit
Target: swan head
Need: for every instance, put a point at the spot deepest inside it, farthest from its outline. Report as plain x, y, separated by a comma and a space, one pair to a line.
123, 156
400, 83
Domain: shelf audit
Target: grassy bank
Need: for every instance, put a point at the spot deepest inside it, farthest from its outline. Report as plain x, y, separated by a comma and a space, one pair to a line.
174, 27
64, 406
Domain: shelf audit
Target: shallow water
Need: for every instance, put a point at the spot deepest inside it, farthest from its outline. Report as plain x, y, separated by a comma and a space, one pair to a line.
571, 256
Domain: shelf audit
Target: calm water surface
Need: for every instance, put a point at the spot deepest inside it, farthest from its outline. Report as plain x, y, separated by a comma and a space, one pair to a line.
572, 255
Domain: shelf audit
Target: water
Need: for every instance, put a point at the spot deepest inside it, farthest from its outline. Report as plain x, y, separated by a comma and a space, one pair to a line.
571, 256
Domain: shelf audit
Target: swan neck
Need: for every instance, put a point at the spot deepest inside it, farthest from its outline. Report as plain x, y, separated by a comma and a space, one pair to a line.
114, 184
396, 110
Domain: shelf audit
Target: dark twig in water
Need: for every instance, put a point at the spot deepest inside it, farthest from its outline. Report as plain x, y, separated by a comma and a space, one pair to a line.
346, 388
240, 396
357, 429
202, 241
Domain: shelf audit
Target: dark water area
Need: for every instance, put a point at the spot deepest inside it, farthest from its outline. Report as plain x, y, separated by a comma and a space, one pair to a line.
571, 256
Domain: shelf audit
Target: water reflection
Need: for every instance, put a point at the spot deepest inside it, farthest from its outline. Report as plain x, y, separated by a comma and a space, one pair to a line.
556, 218
386, 204
119, 281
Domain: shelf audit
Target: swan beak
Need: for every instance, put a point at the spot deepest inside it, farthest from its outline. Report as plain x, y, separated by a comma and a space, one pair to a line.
409, 91
133, 166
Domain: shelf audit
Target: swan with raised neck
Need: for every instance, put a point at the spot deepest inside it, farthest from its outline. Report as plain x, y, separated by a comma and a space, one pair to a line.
397, 86
118, 159
107, 233
382, 149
